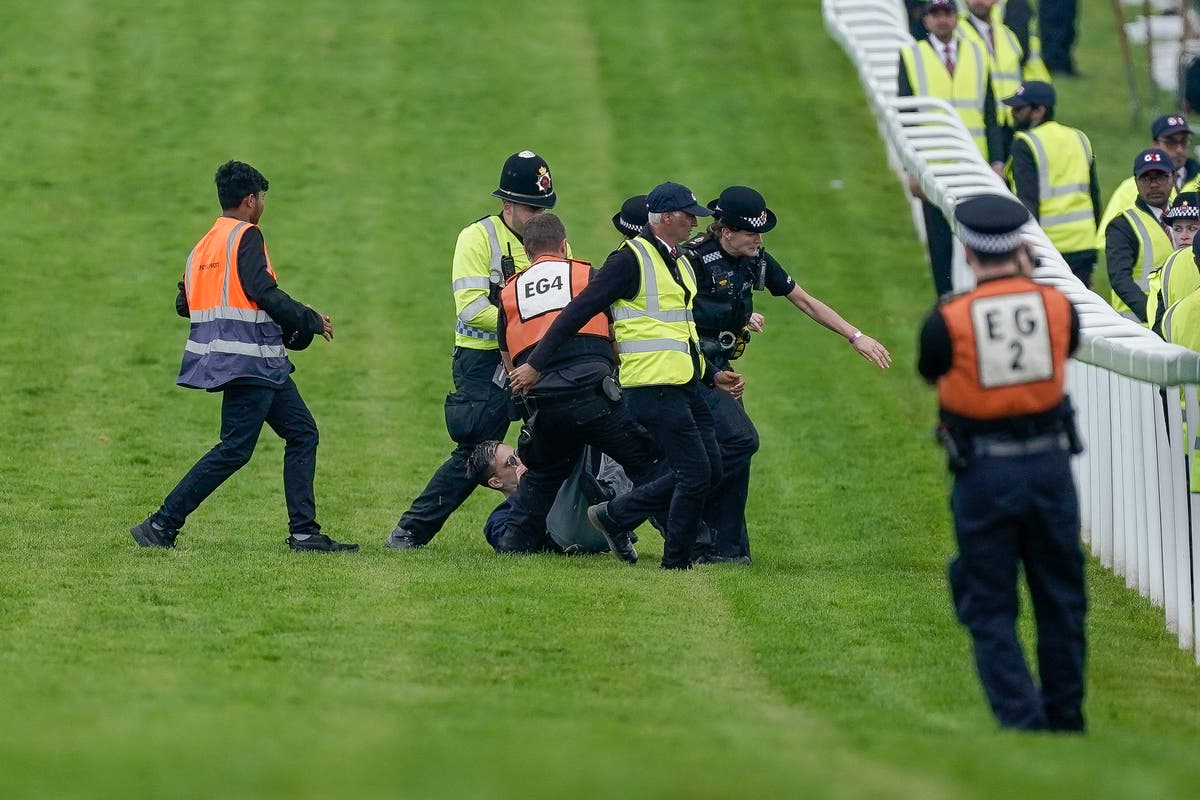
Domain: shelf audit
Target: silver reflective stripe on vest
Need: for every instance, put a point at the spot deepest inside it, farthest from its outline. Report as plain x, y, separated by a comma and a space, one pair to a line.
474, 282
230, 312
981, 75
649, 278
473, 308
1147, 245
1006, 76
1063, 219
229, 260
1143, 284
1166, 324
494, 245
187, 272
661, 316
919, 65
652, 346
237, 348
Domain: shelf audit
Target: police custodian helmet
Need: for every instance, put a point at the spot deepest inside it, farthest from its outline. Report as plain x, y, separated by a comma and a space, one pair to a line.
743, 209
525, 179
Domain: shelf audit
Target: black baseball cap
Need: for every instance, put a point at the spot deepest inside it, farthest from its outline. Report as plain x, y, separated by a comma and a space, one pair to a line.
743, 209
1032, 93
1168, 124
1150, 160
674, 197
630, 220
525, 179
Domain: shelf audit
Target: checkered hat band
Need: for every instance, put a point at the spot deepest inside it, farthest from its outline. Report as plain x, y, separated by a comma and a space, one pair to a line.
629, 226
990, 242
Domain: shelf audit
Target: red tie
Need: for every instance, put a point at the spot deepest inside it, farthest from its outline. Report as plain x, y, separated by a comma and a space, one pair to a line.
949, 61
992, 40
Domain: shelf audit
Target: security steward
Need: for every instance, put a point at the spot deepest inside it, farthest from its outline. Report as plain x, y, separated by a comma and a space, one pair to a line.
730, 265
649, 284
241, 325
998, 356
488, 250
1139, 238
982, 21
1176, 277
1052, 170
1171, 134
576, 402
947, 66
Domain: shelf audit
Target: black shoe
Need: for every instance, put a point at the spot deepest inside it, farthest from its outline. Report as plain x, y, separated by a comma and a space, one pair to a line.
403, 539
149, 533
618, 541
684, 565
319, 543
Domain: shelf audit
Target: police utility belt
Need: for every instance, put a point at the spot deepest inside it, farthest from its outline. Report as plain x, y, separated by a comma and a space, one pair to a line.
724, 343
961, 446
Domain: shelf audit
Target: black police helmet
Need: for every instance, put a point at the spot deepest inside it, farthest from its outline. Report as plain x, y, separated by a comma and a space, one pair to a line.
525, 179
991, 223
632, 217
743, 209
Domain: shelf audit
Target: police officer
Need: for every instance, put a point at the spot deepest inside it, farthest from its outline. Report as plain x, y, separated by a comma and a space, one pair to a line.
1176, 277
730, 265
650, 286
479, 408
1139, 238
630, 220
241, 324
998, 355
575, 402
1052, 171
947, 66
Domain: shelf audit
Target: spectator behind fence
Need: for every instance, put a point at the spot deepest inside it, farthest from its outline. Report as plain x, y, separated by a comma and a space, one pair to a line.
1058, 35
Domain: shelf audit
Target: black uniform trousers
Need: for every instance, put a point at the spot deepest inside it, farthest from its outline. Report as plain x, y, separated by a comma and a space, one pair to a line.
561, 425
737, 439
1058, 34
1009, 512
477, 410
244, 409
940, 241
1082, 262
682, 424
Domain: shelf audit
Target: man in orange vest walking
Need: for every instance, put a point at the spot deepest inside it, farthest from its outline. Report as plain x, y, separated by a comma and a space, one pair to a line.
998, 355
241, 325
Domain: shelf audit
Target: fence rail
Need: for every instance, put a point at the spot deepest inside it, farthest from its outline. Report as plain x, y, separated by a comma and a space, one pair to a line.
1135, 394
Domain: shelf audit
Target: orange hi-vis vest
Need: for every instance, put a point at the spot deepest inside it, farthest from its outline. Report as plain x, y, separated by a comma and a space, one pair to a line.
534, 297
1009, 342
230, 336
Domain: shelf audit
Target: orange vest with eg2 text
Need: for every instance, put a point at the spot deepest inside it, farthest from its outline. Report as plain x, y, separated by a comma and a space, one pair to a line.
1010, 339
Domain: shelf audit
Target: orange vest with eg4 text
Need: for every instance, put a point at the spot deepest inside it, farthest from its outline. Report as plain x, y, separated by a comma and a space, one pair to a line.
1010, 339
533, 299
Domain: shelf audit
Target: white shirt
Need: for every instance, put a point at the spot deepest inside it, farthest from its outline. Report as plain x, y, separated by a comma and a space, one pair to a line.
985, 30
947, 51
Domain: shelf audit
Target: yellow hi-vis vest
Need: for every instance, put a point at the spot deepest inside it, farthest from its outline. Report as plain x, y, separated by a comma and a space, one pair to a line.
1181, 325
1004, 64
1153, 246
656, 337
1173, 281
965, 92
477, 255
1064, 163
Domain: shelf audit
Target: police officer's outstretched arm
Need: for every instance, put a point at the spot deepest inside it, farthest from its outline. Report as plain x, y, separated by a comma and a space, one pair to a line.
864, 345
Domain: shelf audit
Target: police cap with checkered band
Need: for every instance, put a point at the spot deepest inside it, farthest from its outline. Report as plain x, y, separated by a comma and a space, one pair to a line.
743, 209
991, 223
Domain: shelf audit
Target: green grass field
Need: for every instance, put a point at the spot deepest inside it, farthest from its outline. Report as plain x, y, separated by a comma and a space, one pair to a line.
231, 668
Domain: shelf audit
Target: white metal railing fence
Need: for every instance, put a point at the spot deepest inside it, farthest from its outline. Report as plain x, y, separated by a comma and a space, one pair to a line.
1133, 392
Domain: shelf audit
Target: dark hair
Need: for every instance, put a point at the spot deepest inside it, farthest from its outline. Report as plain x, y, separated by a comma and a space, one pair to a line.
714, 229
235, 180
479, 464
543, 234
